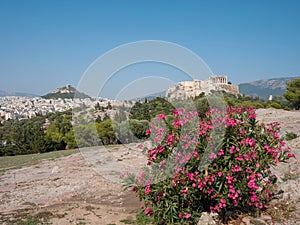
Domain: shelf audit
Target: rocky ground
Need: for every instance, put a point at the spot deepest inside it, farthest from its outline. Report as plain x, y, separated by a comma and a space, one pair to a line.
85, 188
77, 189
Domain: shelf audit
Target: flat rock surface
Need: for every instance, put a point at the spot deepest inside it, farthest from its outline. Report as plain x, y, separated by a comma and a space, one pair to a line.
83, 187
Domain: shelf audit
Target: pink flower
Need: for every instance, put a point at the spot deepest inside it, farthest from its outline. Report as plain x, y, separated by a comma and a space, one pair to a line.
252, 116
222, 203
160, 149
236, 169
187, 215
221, 152
212, 156
220, 174
173, 183
148, 132
200, 186
217, 208
190, 175
239, 157
229, 179
252, 184
161, 116
231, 122
184, 191
209, 191
249, 142
248, 170
170, 139
231, 150
291, 155
246, 157
147, 189
242, 132
178, 112
282, 143
148, 211
267, 148
253, 198
178, 123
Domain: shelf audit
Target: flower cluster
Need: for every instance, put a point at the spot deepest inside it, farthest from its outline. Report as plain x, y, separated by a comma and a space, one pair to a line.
211, 170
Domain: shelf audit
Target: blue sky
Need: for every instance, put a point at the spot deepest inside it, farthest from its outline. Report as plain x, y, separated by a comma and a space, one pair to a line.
47, 44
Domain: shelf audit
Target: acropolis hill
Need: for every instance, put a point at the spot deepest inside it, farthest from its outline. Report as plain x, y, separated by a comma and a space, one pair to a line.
187, 89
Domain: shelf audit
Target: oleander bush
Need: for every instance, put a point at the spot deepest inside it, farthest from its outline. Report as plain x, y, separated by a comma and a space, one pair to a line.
220, 163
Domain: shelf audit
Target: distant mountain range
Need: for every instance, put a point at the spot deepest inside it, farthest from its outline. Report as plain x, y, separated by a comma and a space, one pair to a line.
66, 92
5, 93
150, 97
265, 88
261, 88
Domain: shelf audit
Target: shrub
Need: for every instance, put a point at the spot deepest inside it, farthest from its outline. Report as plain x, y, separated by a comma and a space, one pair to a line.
252, 104
218, 164
274, 105
290, 136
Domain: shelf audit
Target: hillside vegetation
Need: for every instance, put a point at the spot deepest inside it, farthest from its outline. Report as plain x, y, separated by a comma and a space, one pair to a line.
68, 92
85, 127
265, 88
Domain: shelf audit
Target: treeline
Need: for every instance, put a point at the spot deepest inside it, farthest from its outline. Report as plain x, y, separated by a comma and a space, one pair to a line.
37, 135
289, 100
52, 132
58, 131
277, 102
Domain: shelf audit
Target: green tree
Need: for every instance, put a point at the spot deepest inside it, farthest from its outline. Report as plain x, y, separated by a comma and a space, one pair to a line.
106, 117
86, 135
281, 101
251, 104
292, 93
138, 128
148, 110
97, 106
69, 139
109, 106
106, 132
274, 105
202, 105
140, 111
120, 116
123, 132
98, 119
25, 137
57, 131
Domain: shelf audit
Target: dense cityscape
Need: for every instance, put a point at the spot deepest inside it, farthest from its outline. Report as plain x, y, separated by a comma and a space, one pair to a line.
15, 107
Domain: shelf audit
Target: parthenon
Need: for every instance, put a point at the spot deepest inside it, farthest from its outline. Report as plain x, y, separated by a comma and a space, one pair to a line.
219, 79
187, 89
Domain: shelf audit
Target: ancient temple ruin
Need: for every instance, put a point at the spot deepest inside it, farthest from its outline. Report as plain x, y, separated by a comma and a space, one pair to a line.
190, 89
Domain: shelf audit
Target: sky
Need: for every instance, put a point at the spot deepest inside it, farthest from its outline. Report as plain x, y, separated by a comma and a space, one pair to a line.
50, 43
